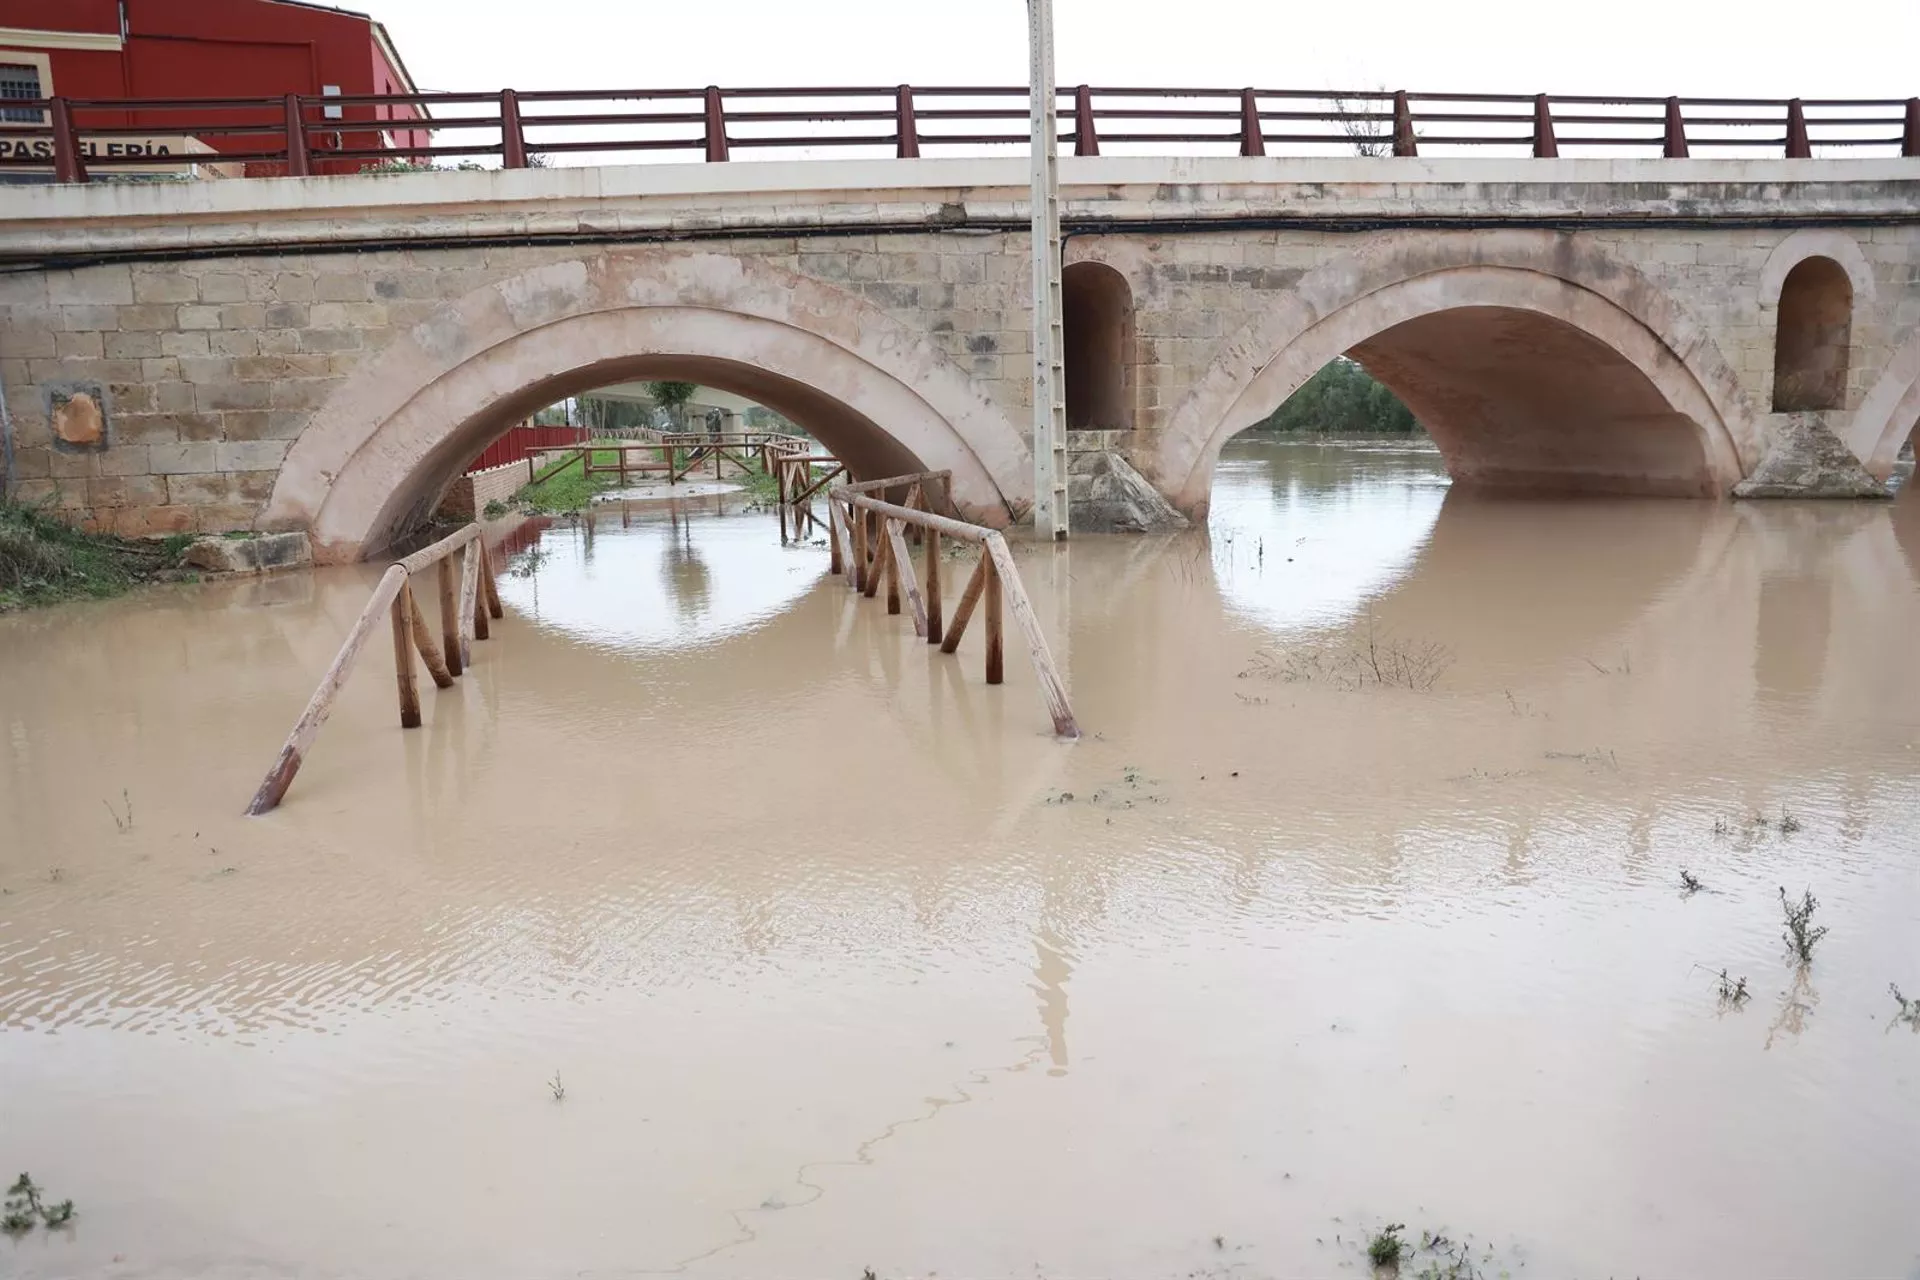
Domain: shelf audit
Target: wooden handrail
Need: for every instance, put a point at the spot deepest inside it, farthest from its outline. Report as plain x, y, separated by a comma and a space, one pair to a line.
466, 611
867, 540
715, 123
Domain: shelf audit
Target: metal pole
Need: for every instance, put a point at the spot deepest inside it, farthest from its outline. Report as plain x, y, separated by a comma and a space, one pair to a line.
1049, 381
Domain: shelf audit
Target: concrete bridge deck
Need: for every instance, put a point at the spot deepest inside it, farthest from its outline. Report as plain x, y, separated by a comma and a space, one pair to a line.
327, 352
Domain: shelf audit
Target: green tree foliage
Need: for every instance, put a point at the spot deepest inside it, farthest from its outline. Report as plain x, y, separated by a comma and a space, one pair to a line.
673, 397
1342, 399
601, 414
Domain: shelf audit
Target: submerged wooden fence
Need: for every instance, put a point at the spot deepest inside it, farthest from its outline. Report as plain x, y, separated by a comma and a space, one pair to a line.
466, 608
867, 538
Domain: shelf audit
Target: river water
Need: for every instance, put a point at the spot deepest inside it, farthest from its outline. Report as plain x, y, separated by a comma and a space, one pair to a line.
1358, 904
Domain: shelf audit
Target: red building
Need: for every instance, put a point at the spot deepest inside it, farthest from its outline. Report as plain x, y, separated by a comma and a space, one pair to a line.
100, 50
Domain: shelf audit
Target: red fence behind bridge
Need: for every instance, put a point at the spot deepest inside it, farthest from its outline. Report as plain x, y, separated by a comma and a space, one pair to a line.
523, 440
291, 135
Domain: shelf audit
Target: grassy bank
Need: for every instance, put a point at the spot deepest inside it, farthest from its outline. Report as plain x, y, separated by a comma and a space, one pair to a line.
43, 561
567, 488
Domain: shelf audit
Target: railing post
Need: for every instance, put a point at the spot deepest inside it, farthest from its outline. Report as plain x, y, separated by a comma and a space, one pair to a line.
1403, 143
716, 125
1251, 143
67, 164
1798, 147
1085, 141
513, 143
906, 133
1910, 139
298, 163
1545, 147
1676, 131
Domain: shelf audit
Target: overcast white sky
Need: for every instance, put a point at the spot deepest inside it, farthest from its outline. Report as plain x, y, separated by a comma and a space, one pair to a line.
1760, 48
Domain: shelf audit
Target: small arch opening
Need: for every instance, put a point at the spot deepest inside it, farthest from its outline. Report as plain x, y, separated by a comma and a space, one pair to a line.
1812, 335
1097, 323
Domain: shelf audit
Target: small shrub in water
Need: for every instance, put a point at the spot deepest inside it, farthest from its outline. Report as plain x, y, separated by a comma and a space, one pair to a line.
1788, 823
557, 1089
1909, 1009
1689, 883
25, 1206
1801, 934
1386, 1247
1733, 991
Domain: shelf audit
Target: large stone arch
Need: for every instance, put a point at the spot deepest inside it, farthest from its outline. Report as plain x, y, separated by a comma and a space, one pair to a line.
1889, 413
388, 441
1399, 279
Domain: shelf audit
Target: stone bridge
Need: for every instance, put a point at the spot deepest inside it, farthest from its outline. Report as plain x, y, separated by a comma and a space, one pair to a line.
326, 353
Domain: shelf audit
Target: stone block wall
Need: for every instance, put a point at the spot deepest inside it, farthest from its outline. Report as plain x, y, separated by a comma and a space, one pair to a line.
206, 371
468, 496
148, 396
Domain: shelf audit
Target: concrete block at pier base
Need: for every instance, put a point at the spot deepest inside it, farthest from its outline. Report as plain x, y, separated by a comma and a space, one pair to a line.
261, 554
1106, 495
1806, 460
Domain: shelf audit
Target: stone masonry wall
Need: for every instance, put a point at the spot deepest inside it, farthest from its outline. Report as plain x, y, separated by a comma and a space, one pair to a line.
207, 370
469, 495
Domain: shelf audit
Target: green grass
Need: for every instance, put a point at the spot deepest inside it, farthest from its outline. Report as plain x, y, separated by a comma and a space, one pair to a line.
43, 561
568, 488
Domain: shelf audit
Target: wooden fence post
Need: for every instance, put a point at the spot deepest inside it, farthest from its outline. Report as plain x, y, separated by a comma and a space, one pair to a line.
933, 587
492, 587
449, 617
423, 641
859, 521
996, 652
403, 658
1910, 137
963, 611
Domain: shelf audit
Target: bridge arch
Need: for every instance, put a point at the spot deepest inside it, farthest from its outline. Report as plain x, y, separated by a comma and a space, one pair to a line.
1889, 414
1489, 338
385, 445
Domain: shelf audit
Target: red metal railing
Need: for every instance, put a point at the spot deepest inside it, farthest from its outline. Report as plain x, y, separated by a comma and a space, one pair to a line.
521, 441
299, 135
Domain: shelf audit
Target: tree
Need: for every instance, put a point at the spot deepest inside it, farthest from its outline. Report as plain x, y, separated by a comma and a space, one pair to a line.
673, 397
1342, 399
604, 414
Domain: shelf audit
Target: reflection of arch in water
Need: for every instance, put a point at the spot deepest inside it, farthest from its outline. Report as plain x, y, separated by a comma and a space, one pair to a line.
1533, 359
880, 396
1501, 580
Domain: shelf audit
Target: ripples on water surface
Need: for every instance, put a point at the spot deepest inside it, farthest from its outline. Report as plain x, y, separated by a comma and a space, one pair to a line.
835, 976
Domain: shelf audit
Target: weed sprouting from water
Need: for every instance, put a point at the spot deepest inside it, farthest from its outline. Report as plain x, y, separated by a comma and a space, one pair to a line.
26, 1206
1801, 934
122, 820
1733, 991
556, 1088
1374, 659
1689, 882
1909, 1014
1788, 823
1386, 1248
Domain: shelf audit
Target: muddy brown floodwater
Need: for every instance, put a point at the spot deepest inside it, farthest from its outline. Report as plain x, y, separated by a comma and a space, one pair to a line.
842, 962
